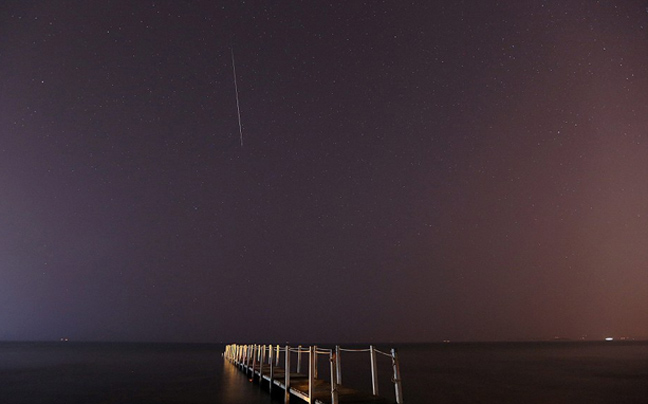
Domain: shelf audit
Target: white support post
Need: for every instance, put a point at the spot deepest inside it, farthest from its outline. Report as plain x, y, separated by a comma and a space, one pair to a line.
254, 360
287, 376
374, 370
272, 362
312, 354
299, 348
334, 392
398, 386
277, 356
315, 359
338, 364
240, 355
249, 353
261, 363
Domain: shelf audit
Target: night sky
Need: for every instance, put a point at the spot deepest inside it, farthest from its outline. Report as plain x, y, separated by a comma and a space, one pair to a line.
410, 171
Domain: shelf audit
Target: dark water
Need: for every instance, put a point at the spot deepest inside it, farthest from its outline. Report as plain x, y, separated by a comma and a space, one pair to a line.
445, 373
530, 373
88, 373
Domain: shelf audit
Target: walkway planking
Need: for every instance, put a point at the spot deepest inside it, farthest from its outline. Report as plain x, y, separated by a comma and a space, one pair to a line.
321, 391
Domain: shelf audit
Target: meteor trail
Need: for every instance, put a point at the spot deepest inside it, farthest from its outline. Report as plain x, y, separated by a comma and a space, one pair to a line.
238, 108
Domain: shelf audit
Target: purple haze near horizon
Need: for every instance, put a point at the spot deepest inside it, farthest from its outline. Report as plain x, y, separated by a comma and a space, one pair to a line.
411, 171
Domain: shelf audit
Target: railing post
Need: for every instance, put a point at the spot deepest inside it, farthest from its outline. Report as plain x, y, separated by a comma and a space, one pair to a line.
299, 348
338, 364
272, 362
315, 360
374, 370
312, 354
261, 363
398, 386
249, 352
254, 360
277, 364
287, 376
241, 355
334, 392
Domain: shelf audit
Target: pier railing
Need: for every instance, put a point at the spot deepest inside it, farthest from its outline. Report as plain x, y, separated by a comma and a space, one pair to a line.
264, 362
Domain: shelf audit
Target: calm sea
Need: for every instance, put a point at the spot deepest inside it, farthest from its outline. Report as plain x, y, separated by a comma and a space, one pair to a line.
559, 372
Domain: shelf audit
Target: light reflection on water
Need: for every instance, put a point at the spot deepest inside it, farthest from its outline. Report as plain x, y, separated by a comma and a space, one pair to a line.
237, 389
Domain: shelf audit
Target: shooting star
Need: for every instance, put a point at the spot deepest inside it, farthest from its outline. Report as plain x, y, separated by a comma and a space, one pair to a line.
238, 107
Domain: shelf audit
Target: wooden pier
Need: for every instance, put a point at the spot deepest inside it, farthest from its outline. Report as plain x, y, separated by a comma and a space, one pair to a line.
263, 363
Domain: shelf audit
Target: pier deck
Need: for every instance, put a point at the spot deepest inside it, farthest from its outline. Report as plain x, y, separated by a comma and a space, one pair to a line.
252, 360
322, 388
